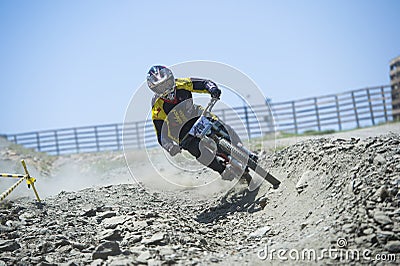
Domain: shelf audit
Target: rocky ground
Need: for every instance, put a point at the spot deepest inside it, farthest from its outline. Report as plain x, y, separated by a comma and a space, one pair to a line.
339, 198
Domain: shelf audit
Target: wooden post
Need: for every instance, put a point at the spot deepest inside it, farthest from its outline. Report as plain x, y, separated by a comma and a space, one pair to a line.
317, 114
355, 109
371, 110
294, 117
384, 103
338, 113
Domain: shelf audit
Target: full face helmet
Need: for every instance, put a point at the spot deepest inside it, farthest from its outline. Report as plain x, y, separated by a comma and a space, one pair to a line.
160, 80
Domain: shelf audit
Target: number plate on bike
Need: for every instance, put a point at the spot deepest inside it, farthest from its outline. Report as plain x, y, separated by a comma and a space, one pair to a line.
200, 127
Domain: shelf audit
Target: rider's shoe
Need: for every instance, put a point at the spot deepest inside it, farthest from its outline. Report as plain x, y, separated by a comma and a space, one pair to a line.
229, 173
246, 177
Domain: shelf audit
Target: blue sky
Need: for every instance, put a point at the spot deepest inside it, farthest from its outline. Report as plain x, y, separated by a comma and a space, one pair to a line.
77, 63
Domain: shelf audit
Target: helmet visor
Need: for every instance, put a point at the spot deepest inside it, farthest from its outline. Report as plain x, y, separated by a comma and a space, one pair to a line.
161, 81
157, 78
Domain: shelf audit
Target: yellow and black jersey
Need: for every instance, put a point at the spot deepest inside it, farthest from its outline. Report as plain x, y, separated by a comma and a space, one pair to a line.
173, 117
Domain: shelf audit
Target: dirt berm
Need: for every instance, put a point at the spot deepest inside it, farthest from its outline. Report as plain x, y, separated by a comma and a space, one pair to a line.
339, 203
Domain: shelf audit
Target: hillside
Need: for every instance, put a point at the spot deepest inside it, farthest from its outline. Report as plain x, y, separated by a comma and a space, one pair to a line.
337, 194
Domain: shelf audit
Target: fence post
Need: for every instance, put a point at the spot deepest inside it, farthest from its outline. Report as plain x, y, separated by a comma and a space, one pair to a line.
274, 118
56, 140
246, 116
371, 110
96, 138
355, 109
338, 113
117, 135
38, 141
317, 114
384, 103
76, 140
138, 136
294, 117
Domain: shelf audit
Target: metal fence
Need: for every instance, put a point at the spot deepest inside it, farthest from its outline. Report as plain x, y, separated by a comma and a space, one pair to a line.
353, 109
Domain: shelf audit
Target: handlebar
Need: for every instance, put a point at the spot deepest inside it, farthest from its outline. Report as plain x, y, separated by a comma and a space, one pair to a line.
206, 110
210, 106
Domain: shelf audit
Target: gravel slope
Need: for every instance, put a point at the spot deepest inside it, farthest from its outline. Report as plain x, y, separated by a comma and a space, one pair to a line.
338, 193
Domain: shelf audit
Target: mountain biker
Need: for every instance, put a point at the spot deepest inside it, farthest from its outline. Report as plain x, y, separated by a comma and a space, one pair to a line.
174, 113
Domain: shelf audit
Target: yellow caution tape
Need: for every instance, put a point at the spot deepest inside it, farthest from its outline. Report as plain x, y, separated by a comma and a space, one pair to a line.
29, 180
12, 175
8, 191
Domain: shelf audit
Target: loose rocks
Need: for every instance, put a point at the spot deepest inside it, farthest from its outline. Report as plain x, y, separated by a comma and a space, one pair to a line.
109, 248
349, 192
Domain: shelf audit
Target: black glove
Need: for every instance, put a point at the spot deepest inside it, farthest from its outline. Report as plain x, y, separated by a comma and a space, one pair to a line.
172, 148
215, 92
